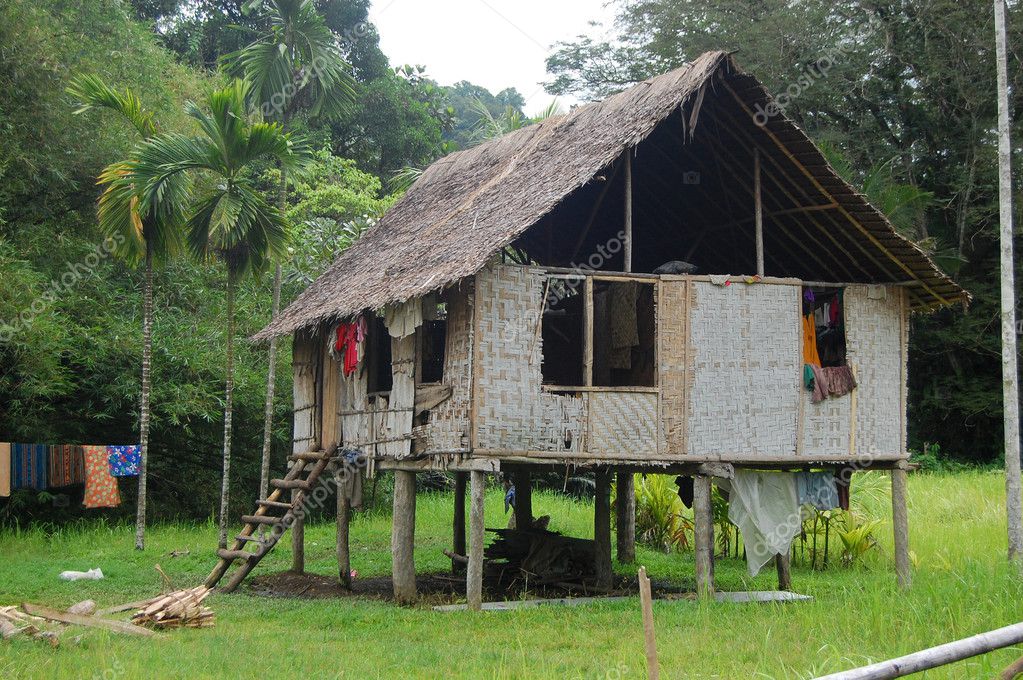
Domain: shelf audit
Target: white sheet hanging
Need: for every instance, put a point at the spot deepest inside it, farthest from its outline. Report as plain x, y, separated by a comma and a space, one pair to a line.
404, 318
765, 507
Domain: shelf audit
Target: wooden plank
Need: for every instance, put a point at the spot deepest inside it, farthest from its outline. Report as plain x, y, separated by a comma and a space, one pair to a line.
88, 621
647, 603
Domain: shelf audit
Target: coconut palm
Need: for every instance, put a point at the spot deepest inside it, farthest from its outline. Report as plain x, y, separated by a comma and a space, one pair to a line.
135, 240
293, 65
227, 217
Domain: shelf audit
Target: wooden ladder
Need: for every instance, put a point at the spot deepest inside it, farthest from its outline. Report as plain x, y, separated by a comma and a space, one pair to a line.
302, 477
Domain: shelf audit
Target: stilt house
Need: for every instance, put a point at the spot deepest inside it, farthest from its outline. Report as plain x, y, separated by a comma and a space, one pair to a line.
514, 318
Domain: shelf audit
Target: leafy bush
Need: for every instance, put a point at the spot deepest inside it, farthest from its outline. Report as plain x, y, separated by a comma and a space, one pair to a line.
660, 519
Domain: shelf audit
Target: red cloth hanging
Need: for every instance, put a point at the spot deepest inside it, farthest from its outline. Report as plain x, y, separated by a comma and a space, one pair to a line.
349, 335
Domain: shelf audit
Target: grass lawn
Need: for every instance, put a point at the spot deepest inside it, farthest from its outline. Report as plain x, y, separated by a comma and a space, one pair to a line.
962, 586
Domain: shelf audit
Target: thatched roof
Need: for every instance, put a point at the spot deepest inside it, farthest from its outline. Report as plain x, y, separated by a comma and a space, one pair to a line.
469, 205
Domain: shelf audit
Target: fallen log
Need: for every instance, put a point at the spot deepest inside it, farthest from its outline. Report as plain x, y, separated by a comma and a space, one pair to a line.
87, 621
83, 608
935, 656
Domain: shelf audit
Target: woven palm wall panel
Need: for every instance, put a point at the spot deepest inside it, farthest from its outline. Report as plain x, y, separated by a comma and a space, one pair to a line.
826, 426
875, 347
304, 364
622, 425
448, 429
513, 411
672, 358
746, 368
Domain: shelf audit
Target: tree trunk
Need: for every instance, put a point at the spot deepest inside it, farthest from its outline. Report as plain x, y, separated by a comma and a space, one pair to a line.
458, 521
1010, 388
474, 570
625, 506
225, 489
403, 537
271, 373
147, 357
602, 529
344, 512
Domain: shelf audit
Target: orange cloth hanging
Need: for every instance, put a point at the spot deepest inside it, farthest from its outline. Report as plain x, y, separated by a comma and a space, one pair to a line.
100, 487
810, 355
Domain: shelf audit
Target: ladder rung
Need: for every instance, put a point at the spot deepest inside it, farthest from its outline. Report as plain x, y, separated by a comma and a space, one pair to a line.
291, 484
249, 539
260, 519
275, 504
308, 456
234, 554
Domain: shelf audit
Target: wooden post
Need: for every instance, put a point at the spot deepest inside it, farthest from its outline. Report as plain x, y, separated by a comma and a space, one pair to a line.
344, 555
758, 212
900, 523
297, 539
403, 537
602, 528
474, 575
647, 603
625, 506
782, 564
523, 499
628, 211
1010, 387
588, 331
703, 530
458, 523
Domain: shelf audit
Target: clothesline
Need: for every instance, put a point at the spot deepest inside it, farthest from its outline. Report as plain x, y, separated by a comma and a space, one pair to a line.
55, 466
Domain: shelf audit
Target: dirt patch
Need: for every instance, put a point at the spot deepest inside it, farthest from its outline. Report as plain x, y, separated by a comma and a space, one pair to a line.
435, 588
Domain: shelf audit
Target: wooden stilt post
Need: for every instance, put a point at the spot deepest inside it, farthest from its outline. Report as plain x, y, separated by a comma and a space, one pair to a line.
602, 528
403, 537
458, 523
344, 556
625, 507
782, 564
523, 499
758, 212
297, 540
703, 521
900, 523
474, 575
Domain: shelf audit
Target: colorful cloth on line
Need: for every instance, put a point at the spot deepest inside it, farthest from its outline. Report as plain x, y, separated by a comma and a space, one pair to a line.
830, 381
5, 469
125, 460
810, 355
100, 486
29, 466
67, 465
348, 345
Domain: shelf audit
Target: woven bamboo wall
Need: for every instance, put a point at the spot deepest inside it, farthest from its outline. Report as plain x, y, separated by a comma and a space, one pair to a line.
672, 356
622, 424
513, 411
304, 363
874, 346
448, 429
743, 388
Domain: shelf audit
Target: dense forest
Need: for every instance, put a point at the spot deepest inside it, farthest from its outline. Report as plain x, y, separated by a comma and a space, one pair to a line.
901, 94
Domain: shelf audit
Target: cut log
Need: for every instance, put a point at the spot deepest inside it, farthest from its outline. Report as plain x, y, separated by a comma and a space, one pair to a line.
299, 484
274, 504
261, 519
88, 621
234, 554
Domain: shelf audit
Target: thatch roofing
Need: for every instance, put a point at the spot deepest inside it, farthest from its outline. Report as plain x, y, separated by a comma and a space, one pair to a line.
469, 205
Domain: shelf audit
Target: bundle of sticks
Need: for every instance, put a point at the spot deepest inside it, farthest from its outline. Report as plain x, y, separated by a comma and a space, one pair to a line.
180, 609
14, 622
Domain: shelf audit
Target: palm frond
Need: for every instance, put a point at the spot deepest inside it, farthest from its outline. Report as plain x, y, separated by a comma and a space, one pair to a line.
92, 93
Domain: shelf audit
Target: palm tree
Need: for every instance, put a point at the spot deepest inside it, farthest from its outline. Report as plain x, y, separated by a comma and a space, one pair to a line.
227, 217
294, 65
136, 240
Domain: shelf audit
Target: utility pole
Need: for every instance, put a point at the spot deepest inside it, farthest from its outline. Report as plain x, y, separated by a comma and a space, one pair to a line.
1010, 388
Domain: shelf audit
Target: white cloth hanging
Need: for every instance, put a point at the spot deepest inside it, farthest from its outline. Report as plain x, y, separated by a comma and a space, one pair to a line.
404, 318
765, 507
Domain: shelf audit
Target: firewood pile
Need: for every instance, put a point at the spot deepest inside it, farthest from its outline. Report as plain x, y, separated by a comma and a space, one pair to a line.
180, 609
537, 558
14, 622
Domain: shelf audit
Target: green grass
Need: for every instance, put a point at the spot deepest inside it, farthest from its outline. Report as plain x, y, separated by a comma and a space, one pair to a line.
962, 586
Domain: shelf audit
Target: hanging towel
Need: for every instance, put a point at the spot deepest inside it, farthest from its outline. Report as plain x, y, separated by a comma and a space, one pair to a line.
810, 355
817, 489
5, 469
29, 466
67, 466
100, 486
765, 507
124, 460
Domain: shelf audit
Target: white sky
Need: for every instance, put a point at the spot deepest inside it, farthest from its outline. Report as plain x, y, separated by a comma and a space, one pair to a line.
492, 43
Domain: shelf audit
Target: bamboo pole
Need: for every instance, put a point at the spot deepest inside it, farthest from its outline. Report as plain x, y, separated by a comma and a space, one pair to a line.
1010, 388
758, 211
646, 602
628, 210
935, 656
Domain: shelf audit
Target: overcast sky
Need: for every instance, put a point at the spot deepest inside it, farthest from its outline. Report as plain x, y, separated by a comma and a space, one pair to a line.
493, 43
